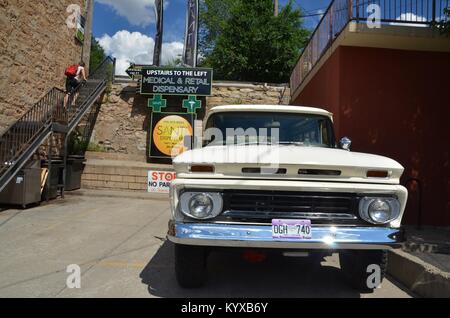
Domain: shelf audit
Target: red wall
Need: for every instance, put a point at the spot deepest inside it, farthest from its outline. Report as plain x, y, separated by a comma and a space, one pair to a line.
394, 103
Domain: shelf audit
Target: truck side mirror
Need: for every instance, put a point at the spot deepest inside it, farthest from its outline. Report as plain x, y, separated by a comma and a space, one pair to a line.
345, 143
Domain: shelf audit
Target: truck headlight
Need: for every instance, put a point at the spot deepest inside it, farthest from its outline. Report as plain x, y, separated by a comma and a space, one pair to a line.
201, 205
379, 210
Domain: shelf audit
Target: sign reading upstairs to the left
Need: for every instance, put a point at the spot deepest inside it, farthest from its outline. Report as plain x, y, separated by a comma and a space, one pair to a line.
135, 71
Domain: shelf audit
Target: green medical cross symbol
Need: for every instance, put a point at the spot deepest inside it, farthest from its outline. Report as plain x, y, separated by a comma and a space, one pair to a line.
192, 104
157, 103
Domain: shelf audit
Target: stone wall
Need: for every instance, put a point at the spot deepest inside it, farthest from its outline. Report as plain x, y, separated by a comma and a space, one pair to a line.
35, 47
124, 117
232, 93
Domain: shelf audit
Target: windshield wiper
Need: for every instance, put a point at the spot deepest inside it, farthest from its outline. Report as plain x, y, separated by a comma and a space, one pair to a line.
265, 143
271, 143
296, 143
251, 143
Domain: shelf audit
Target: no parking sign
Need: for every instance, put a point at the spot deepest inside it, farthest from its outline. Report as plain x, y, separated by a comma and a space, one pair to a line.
159, 181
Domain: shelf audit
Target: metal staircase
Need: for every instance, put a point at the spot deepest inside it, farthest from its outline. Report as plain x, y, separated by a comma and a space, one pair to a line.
54, 114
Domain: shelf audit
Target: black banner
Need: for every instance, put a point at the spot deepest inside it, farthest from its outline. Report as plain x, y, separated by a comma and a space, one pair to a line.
190, 45
177, 81
187, 306
159, 11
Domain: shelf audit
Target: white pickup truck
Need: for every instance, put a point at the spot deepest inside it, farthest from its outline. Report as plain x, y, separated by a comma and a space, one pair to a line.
273, 178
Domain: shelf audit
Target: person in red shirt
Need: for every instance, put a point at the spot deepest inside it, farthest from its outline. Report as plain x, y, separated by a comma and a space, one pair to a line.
72, 82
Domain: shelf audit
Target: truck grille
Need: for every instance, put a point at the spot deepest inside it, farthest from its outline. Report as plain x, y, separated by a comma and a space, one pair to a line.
263, 206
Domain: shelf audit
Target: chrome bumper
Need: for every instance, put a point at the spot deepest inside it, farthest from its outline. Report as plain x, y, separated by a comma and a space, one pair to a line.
260, 236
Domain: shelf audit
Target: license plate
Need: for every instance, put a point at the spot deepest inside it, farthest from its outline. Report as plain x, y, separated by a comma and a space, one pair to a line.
292, 229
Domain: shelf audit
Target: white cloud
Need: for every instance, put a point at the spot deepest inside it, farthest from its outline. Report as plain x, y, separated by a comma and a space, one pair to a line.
137, 48
409, 16
137, 12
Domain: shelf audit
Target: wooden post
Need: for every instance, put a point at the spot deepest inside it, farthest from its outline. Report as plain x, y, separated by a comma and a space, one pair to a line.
275, 8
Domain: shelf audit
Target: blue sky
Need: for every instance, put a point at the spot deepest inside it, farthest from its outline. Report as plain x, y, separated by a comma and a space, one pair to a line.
107, 21
126, 28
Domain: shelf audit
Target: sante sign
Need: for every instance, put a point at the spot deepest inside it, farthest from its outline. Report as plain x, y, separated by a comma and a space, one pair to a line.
168, 132
160, 181
177, 81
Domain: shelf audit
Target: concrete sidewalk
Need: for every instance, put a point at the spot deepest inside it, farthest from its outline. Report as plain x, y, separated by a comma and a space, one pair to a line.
420, 265
119, 244
417, 267
423, 264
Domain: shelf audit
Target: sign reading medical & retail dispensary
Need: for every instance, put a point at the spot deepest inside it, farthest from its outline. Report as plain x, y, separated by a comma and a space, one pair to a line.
176, 81
177, 98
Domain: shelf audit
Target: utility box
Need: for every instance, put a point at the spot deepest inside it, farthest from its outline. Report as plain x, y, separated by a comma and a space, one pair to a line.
75, 168
55, 175
54, 179
24, 188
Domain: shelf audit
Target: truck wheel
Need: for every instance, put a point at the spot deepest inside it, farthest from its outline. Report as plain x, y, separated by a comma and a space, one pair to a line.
355, 266
190, 265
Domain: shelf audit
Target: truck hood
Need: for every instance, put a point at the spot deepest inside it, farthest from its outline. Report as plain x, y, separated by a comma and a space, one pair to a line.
319, 163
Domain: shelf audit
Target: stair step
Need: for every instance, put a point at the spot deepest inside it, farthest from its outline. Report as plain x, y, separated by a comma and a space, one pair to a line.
61, 128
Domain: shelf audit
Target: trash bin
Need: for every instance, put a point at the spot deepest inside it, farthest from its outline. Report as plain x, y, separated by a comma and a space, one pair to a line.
25, 188
54, 183
75, 168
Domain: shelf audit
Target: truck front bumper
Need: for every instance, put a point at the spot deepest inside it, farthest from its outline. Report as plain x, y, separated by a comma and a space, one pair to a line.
260, 236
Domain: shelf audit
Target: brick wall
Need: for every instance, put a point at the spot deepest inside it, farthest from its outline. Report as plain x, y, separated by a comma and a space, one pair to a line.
35, 47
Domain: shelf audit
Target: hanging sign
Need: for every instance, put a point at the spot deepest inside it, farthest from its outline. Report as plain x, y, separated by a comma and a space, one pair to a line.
81, 25
177, 81
159, 12
191, 42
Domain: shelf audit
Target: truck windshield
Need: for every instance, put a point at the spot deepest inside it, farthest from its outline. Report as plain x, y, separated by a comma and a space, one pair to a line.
269, 128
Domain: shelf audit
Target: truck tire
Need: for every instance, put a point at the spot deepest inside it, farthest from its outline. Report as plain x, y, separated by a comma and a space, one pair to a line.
190, 265
355, 265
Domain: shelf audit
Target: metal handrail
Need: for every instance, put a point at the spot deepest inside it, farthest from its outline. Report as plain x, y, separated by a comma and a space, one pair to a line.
31, 124
56, 106
108, 64
341, 12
